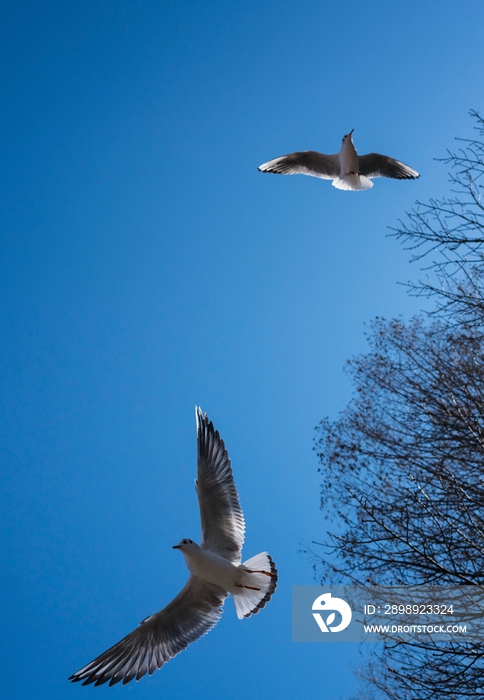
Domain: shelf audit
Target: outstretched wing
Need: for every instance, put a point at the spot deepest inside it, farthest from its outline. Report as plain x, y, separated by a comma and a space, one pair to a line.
376, 165
160, 637
305, 163
221, 516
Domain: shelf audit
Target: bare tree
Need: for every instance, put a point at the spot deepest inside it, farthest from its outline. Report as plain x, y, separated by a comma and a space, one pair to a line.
449, 234
403, 465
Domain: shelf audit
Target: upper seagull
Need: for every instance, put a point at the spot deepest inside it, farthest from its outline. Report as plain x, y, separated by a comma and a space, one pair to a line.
346, 169
215, 571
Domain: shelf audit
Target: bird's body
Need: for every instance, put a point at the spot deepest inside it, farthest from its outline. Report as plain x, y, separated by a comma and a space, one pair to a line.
348, 164
215, 571
347, 169
213, 568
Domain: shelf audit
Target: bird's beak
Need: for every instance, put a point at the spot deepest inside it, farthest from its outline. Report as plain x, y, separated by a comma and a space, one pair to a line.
351, 132
176, 546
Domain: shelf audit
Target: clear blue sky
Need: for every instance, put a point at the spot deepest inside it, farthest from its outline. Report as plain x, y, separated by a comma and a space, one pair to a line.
146, 266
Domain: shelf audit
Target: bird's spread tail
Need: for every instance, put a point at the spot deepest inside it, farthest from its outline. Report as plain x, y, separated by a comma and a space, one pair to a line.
258, 585
352, 181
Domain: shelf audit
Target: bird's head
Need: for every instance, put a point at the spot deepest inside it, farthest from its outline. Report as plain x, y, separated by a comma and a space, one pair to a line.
348, 137
185, 544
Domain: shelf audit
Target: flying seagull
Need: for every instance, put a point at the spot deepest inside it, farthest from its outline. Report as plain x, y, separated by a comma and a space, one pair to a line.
346, 169
215, 571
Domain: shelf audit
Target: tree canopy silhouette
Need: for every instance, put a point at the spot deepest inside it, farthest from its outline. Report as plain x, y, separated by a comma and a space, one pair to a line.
403, 465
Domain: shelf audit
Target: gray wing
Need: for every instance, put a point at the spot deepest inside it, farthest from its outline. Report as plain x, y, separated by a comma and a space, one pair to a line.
194, 611
305, 163
221, 516
376, 165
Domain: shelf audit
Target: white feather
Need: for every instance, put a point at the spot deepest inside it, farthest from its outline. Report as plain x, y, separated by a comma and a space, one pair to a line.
352, 181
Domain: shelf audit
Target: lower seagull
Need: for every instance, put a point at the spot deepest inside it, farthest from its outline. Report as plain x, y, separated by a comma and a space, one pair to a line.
215, 571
